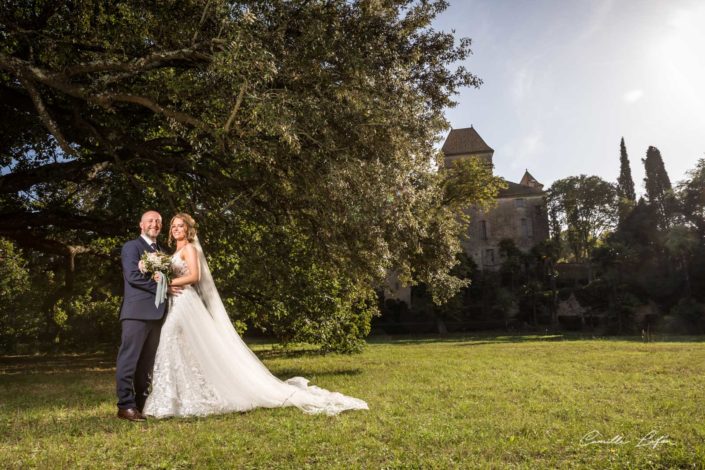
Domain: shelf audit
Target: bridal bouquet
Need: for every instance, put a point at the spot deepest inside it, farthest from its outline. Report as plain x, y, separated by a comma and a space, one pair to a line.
154, 263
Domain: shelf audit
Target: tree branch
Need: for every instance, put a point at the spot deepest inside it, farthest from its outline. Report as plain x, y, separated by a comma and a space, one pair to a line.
25, 221
25, 70
151, 61
68, 171
108, 98
236, 108
200, 23
44, 116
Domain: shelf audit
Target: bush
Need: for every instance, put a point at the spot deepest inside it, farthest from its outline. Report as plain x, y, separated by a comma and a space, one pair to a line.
673, 325
14, 287
88, 319
691, 311
594, 295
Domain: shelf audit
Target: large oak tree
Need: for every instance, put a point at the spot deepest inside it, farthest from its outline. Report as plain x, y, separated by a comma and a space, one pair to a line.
300, 134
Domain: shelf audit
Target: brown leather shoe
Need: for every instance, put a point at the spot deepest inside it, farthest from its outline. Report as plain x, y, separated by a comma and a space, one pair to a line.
130, 414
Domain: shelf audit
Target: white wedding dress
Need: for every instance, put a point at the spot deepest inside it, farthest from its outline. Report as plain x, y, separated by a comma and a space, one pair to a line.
203, 367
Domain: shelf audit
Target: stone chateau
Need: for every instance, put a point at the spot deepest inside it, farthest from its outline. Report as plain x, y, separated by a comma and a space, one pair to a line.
520, 212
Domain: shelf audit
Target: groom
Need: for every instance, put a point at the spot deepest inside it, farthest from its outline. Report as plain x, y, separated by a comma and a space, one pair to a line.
141, 322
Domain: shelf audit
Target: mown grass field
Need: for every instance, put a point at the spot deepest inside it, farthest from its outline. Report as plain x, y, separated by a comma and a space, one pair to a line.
458, 402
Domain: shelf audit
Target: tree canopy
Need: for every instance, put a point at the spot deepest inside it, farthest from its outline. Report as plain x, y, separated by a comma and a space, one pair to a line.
300, 134
585, 205
691, 195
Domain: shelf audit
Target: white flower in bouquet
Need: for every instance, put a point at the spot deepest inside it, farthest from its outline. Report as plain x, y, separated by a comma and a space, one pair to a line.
154, 263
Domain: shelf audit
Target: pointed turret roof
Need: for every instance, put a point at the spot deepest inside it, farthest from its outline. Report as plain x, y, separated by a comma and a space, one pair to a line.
530, 181
464, 141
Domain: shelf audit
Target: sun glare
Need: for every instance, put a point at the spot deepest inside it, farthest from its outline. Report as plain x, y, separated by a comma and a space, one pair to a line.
680, 63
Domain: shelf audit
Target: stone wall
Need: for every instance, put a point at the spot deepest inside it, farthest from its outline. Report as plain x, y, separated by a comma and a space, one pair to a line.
522, 219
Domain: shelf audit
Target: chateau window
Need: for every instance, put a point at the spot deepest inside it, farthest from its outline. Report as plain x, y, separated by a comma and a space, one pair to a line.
527, 228
520, 202
489, 256
524, 228
483, 230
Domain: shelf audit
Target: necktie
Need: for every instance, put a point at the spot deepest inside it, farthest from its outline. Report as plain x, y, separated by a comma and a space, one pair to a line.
154, 246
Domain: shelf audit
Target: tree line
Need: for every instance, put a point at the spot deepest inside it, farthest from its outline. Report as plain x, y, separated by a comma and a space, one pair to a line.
301, 136
640, 261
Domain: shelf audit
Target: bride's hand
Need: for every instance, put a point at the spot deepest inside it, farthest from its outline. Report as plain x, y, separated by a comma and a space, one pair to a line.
157, 277
174, 290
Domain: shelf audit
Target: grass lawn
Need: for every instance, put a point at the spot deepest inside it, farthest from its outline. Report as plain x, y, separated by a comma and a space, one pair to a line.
455, 402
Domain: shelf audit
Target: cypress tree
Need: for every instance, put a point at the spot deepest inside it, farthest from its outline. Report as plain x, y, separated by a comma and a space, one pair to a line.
625, 183
658, 186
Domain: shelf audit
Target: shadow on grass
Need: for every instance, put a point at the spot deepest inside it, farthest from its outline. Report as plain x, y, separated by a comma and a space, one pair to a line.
281, 353
494, 338
288, 373
472, 339
56, 363
655, 338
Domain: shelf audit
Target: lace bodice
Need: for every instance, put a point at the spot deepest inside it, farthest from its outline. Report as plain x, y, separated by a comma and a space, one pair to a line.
179, 265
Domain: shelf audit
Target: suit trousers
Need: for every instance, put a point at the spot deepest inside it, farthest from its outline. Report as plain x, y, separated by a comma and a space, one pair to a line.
135, 361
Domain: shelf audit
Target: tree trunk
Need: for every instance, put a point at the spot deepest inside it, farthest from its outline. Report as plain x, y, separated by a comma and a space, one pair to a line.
70, 271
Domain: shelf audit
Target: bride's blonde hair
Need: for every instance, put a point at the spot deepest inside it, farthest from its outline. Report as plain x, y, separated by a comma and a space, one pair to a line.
190, 224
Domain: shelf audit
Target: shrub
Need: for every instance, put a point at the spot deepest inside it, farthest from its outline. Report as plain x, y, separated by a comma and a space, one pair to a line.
14, 287
691, 311
88, 319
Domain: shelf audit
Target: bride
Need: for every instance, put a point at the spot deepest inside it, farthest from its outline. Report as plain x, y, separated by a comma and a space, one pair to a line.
202, 366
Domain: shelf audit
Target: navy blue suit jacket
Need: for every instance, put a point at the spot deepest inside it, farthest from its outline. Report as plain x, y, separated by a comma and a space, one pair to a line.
140, 289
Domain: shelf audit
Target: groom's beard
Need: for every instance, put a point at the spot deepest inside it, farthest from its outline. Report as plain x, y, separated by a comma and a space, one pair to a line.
153, 234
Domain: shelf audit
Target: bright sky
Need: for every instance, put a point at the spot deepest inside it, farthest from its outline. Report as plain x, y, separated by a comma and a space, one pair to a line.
566, 79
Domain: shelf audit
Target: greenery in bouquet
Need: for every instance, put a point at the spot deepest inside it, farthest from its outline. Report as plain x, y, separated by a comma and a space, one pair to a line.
156, 262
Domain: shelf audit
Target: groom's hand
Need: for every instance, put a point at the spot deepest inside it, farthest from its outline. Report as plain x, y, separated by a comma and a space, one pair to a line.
175, 290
